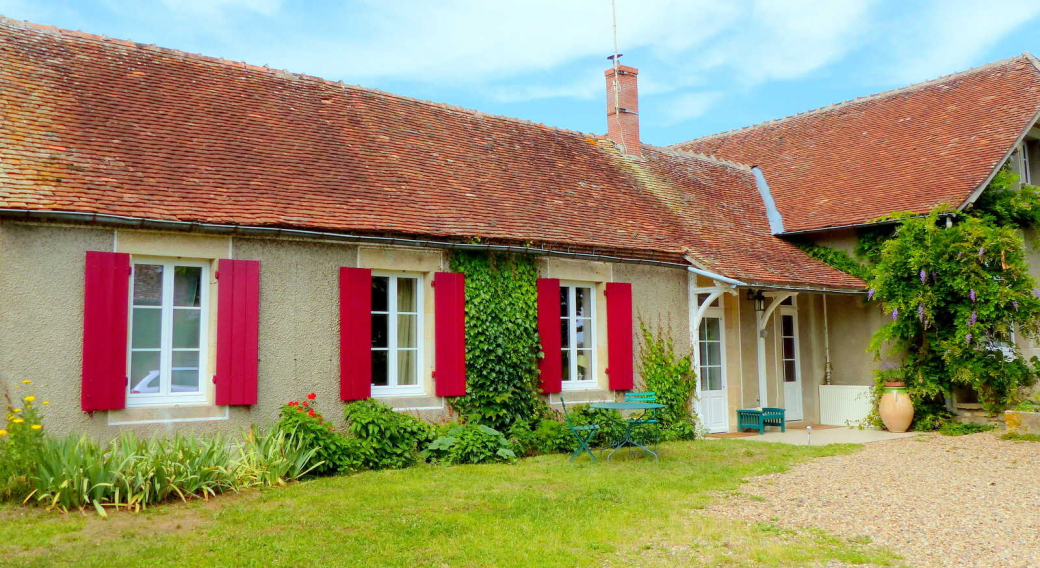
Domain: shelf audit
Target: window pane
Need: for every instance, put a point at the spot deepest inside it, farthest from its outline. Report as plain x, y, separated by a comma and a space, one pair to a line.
144, 372
787, 325
406, 330
710, 329
380, 295
584, 365
582, 299
715, 378
701, 298
704, 378
566, 365
406, 295
788, 301
187, 286
148, 284
789, 372
565, 301
788, 347
186, 328
380, 330
581, 335
146, 328
702, 346
565, 333
380, 370
406, 374
714, 353
185, 372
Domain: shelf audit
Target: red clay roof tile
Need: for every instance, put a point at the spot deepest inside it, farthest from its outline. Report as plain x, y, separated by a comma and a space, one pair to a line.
105, 126
911, 149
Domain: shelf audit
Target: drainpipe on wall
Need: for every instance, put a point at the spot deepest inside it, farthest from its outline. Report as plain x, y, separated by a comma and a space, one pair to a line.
826, 345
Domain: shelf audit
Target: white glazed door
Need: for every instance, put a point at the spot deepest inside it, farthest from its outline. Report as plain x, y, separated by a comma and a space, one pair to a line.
790, 372
711, 376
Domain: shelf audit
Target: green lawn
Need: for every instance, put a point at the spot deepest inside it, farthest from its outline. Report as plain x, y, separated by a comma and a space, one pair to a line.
542, 512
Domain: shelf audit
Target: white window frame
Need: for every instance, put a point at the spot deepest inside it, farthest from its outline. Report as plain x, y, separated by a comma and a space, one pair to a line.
166, 336
392, 388
593, 381
712, 312
1025, 164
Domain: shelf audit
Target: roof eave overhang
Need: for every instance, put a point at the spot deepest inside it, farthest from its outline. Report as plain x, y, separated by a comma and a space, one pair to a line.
982, 187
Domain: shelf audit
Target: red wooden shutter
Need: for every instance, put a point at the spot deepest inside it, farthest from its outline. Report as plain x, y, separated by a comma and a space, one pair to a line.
449, 296
238, 326
619, 335
551, 371
355, 333
106, 305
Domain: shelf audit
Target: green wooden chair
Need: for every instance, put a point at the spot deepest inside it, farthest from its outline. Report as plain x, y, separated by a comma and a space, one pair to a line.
648, 417
583, 434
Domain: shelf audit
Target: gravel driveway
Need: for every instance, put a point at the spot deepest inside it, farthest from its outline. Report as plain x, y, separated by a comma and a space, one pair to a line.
937, 500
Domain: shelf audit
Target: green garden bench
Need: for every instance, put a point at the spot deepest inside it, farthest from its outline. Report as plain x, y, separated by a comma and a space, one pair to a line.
759, 418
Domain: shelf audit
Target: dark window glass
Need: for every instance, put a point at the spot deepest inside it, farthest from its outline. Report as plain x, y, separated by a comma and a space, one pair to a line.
790, 375
380, 369
148, 284
380, 293
787, 326
380, 330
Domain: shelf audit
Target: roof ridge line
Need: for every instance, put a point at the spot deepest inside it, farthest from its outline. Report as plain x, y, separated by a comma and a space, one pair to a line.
864, 98
674, 151
280, 72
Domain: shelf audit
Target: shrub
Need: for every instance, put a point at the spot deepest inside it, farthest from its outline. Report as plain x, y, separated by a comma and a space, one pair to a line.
1016, 437
961, 429
20, 442
470, 443
272, 458
301, 421
673, 379
381, 438
523, 439
552, 437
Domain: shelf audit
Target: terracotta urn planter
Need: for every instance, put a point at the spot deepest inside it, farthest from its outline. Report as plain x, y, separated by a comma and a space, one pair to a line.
895, 408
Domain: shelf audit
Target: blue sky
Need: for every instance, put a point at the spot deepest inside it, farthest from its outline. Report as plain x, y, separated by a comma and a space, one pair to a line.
705, 66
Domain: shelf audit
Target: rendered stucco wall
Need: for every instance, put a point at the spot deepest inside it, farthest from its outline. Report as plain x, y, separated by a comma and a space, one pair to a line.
41, 295
852, 323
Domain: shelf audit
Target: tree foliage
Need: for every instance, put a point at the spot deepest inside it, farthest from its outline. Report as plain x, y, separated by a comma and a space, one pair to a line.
955, 295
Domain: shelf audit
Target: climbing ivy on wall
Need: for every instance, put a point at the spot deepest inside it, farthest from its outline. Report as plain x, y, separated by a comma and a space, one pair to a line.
955, 294
502, 345
837, 258
672, 377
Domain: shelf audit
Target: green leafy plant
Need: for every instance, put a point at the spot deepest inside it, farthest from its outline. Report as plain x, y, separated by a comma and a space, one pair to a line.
272, 458
837, 258
20, 440
502, 345
954, 295
1017, 437
674, 380
381, 438
470, 443
302, 421
553, 436
963, 429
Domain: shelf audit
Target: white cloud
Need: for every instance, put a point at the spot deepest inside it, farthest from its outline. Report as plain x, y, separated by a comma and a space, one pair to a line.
687, 107
947, 36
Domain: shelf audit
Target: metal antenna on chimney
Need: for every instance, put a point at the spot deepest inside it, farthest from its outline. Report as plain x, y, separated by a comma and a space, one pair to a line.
617, 84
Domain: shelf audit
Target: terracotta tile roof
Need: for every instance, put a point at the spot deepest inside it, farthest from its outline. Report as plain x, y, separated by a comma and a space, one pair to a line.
905, 150
106, 126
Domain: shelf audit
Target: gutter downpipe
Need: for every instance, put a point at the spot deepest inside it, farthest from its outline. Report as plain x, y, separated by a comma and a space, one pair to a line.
826, 344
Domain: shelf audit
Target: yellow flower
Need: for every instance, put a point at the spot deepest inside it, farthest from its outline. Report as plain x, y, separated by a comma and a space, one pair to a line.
3, 433
46, 402
29, 398
17, 410
36, 426
18, 420
18, 386
26, 381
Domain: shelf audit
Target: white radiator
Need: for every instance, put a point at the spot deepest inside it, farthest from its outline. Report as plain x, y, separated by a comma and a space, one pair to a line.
844, 405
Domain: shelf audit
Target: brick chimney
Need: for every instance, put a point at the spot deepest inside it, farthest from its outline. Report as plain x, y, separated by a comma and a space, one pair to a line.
623, 109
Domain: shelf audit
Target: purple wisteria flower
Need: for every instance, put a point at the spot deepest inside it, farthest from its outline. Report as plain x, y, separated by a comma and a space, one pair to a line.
920, 312
982, 251
935, 276
972, 294
870, 294
924, 276
895, 314
1014, 304
974, 318
967, 338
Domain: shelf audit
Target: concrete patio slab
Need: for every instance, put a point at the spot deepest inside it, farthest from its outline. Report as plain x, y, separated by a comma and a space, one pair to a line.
824, 436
